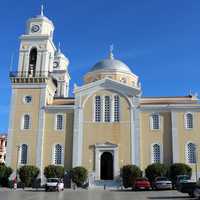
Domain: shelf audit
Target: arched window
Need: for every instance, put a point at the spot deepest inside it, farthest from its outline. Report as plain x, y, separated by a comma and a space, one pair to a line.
107, 109
155, 121
116, 108
26, 121
58, 154
188, 121
97, 109
32, 61
24, 154
191, 153
59, 122
156, 154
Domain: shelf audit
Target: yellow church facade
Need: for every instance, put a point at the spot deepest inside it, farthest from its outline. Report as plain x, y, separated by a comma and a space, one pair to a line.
105, 125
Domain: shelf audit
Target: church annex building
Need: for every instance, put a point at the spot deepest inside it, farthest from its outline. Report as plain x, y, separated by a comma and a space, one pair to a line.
107, 124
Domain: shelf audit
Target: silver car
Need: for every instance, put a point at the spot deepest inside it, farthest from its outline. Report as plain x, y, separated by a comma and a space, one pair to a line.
162, 183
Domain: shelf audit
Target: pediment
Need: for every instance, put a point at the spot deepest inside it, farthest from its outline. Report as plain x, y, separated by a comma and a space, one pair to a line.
108, 84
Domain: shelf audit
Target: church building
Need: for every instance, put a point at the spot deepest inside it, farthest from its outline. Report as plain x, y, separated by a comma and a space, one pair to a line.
105, 125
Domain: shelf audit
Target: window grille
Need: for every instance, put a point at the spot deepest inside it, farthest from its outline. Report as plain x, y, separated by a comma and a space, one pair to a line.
191, 153
24, 151
156, 153
59, 122
97, 108
107, 109
116, 108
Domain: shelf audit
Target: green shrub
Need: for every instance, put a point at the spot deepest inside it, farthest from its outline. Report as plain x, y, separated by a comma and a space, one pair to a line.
154, 170
129, 174
5, 172
179, 169
28, 174
53, 171
79, 175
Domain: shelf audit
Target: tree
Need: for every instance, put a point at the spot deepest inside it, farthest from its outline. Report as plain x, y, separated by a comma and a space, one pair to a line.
129, 174
28, 174
179, 169
5, 172
54, 171
155, 170
79, 175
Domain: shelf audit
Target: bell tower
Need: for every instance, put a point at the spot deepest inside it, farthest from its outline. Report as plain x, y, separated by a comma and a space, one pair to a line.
60, 73
33, 88
37, 48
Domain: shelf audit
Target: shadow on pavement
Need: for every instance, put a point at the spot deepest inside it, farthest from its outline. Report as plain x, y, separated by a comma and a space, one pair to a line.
171, 197
33, 190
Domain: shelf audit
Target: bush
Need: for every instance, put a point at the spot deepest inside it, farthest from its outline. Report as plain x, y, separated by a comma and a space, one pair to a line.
154, 170
53, 171
5, 172
129, 174
79, 175
179, 169
28, 174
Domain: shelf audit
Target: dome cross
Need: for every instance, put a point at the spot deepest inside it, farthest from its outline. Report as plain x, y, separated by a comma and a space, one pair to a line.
111, 55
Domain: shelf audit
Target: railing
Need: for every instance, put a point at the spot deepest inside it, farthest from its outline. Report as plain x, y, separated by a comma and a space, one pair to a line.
29, 74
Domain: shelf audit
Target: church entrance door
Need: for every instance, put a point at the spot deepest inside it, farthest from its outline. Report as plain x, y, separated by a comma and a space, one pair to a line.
106, 166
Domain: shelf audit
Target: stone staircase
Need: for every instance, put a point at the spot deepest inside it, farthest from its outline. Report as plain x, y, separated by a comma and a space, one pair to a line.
106, 184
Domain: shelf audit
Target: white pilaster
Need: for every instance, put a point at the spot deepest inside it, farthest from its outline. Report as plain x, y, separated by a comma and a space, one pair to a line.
78, 133
175, 144
135, 132
40, 133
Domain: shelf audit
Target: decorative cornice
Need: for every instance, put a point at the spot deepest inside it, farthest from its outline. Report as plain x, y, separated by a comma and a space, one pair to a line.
108, 84
55, 108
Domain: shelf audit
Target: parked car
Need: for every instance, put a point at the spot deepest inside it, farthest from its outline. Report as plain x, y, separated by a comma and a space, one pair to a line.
54, 184
162, 183
196, 192
141, 184
179, 179
187, 186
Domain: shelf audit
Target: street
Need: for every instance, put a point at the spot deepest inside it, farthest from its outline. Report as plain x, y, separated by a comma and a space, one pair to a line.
91, 195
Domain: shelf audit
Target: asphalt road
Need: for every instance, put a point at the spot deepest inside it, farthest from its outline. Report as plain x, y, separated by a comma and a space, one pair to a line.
91, 195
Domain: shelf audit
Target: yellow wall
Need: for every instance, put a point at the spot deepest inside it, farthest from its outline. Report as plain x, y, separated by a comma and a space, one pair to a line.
117, 133
64, 137
25, 136
162, 136
185, 136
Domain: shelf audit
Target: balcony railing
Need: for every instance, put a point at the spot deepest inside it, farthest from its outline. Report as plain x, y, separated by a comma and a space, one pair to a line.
29, 74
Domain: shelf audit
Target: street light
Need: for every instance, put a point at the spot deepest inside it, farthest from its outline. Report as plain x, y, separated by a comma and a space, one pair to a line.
196, 160
18, 149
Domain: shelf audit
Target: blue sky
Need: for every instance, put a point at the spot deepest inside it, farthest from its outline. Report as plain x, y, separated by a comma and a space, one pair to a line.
159, 40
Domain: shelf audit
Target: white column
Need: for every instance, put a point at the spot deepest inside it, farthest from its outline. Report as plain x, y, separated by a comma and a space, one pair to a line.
78, 133
39, 62
132, 135
40, 133
175, 144
136, 122
135, 132
116, 163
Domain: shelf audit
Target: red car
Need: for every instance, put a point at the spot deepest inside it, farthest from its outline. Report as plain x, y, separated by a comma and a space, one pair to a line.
141, 184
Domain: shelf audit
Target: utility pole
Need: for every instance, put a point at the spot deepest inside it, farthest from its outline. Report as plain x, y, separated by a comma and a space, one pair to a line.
18, 149
196, 161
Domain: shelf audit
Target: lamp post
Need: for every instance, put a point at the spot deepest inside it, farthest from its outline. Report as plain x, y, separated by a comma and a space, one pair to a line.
18, 149
196, 161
